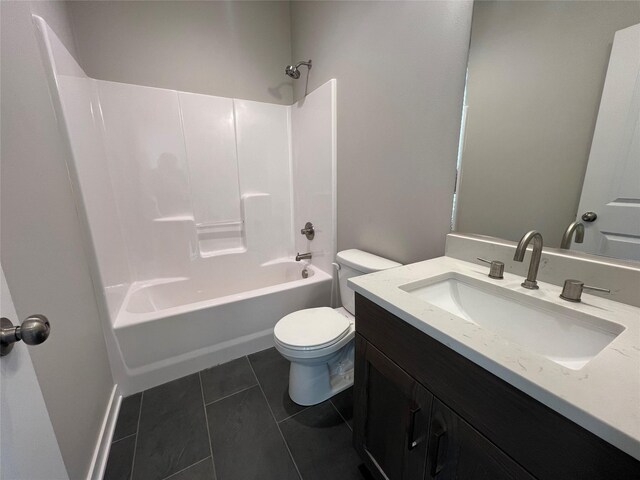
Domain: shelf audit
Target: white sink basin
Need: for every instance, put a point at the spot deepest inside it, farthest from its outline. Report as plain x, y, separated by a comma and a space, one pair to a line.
563, 335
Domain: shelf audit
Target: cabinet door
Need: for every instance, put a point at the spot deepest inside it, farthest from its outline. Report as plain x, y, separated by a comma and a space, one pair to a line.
391, 416
457, 451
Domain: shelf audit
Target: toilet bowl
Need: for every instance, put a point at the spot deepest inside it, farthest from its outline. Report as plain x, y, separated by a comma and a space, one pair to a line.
319, 342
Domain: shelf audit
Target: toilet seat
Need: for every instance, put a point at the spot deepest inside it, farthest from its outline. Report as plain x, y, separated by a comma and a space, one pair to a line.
311, 329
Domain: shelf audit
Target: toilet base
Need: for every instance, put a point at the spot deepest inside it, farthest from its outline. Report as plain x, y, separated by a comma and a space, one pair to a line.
313, 384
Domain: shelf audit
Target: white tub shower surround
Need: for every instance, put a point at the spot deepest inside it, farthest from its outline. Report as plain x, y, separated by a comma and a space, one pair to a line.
193, 206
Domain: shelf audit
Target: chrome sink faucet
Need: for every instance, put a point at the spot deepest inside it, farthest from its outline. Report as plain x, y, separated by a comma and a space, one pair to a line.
530, 282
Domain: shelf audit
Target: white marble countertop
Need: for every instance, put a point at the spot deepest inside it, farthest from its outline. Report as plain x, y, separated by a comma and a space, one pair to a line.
603, 396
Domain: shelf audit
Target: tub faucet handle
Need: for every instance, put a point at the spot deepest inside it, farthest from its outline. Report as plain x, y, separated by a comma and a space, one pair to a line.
308, 231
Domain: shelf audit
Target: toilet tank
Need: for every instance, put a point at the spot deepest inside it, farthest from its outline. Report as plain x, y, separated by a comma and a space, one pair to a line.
355, 262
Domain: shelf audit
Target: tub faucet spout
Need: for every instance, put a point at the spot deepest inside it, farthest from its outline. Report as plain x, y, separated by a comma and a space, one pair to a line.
303, 256
532, 274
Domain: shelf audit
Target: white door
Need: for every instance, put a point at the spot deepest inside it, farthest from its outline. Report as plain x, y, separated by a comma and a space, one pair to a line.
612, 183
28, 447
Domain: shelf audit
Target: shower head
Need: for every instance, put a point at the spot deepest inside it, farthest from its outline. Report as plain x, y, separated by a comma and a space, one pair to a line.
292, 70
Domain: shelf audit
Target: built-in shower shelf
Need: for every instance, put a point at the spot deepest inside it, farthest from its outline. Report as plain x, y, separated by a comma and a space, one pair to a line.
231, 225
216, 253
221, 238
175, 218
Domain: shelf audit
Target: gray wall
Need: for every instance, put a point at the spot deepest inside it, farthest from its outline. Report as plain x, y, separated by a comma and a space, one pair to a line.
56, 13
400, 69
536, 71
231, 49
42, 244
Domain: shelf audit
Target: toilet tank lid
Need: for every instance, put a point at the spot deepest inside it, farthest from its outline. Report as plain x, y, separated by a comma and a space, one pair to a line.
364, 262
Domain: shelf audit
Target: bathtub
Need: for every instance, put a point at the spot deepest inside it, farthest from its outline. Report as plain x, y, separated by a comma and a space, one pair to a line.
170, 327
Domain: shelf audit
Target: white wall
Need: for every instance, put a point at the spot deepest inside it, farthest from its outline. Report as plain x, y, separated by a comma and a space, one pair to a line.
264, 165
536, 72
84, 126
156, 147
146, 156
43, 258
400, 71
160, 171
313, 140
229, 49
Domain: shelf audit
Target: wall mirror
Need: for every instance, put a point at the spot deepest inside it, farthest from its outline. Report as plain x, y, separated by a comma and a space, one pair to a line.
551, 125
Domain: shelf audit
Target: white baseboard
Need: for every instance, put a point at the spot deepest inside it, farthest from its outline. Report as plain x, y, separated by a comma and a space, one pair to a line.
103, 445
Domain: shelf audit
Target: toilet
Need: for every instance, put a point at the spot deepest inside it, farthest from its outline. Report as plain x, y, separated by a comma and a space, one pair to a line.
319, 342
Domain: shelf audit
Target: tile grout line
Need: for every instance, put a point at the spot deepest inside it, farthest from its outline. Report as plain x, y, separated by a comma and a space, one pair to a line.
343, 419
123, 438
291, 416
186, 468
206, 420
275, 420
135, 445
230, 395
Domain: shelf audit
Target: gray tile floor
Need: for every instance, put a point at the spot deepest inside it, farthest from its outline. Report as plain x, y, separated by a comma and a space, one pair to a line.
233, 422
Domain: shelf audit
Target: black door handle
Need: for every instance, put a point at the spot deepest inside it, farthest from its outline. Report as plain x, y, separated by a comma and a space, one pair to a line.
413, 442
438, 454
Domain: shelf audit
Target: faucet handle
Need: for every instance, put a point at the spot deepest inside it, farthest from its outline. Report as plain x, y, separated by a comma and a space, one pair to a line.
497, 268
572, 290
308, 231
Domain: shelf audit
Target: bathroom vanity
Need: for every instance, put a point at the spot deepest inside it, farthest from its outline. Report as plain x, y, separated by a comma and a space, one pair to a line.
442, 394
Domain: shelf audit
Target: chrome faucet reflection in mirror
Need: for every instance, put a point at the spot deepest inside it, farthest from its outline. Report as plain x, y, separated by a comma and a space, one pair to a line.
577, 227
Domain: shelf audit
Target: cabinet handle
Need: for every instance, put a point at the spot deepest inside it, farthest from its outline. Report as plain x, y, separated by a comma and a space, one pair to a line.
437, 463
413, 443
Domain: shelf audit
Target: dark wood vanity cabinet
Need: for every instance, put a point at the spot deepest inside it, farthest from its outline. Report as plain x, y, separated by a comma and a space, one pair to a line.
393, 418
457, 451
403, 433
422, 411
